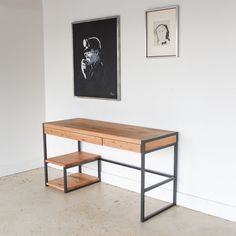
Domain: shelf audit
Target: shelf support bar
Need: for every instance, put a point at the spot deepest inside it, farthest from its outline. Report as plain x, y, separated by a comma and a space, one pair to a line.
79, 149
65, 180
45, 157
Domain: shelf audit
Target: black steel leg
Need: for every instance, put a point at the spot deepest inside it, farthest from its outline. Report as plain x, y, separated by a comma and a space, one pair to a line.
142, 213
170, 178
65, 180
175, 170
99, 170
45, 158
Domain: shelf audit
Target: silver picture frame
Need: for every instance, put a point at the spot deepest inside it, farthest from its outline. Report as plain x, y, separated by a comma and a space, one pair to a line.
87, 34
162, 32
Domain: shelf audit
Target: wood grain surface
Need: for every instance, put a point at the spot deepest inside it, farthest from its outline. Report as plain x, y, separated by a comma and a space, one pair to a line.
73, 159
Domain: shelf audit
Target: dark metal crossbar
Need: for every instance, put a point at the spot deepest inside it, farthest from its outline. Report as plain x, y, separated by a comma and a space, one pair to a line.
136, 167
158, 184
158, 212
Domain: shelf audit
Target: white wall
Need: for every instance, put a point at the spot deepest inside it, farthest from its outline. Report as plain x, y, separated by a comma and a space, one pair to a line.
194, 94
21, 85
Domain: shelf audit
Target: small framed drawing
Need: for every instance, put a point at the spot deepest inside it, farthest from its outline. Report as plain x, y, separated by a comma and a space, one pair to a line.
162, 32
96, 54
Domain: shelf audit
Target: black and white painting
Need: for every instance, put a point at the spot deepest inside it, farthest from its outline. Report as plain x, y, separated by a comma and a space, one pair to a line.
96, 58
162, 32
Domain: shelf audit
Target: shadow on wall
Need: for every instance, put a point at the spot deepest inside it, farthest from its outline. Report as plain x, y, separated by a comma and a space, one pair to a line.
22, 4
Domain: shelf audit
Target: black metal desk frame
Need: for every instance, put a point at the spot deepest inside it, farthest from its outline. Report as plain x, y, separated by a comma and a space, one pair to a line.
170, 177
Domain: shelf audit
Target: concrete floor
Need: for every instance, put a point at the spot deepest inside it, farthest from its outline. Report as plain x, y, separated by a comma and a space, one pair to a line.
29, 208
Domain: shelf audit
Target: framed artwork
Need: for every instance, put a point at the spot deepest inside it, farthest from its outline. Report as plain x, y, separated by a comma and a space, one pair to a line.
162, 32
96, 54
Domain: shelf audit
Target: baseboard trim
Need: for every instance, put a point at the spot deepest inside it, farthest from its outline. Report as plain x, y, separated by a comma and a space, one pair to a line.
20, 166
206, 206
189, 201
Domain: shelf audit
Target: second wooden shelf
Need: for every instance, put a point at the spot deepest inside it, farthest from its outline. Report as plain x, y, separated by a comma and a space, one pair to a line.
74, 181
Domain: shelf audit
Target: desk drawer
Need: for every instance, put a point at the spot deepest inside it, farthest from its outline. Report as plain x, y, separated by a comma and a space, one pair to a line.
72, 135
121, 145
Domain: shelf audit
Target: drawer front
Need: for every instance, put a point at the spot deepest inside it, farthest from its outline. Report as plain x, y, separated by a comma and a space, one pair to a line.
122, 145
160, 143
72, 135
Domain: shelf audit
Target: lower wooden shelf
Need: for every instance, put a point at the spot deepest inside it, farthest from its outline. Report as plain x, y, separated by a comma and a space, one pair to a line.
74, 181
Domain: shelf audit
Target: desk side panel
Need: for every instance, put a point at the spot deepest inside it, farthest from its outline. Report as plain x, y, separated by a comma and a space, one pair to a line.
152, 145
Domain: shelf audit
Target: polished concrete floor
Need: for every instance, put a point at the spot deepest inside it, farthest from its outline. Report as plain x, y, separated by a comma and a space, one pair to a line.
29, 208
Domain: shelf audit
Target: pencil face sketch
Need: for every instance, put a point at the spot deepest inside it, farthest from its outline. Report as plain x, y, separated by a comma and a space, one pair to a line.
162, 34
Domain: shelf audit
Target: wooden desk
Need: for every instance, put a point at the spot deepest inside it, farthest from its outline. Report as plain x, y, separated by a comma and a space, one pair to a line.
127, 137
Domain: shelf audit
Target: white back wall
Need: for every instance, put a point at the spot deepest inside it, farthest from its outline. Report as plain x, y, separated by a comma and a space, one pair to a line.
21, 85
193, 94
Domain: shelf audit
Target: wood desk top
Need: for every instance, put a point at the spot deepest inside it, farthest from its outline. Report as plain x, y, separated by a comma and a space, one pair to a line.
122, 136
